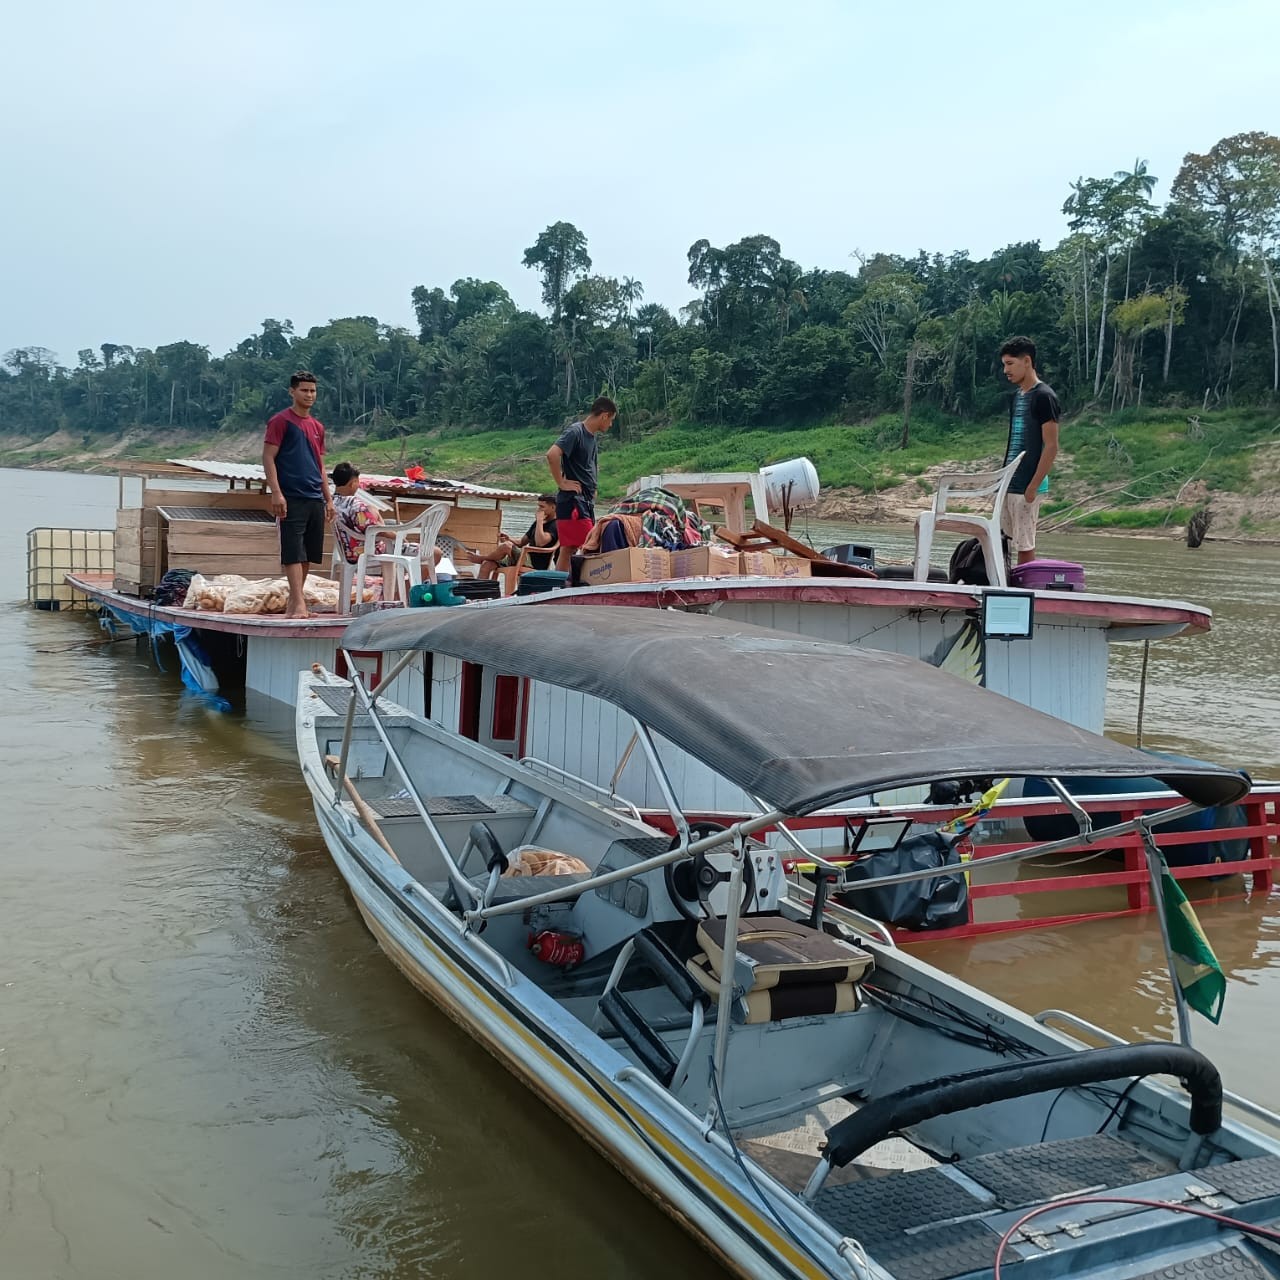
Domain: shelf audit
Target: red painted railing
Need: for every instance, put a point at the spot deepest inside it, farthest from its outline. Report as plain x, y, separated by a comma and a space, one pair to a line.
1261, 827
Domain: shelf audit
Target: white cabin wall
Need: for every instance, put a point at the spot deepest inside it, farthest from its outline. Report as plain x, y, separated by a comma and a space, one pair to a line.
446, 691
586, 737
272, 663
1061, 670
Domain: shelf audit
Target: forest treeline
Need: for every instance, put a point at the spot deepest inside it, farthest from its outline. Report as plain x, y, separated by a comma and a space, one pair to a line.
1172, 303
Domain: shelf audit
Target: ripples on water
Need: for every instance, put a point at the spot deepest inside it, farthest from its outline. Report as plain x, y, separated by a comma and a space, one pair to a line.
208, 1070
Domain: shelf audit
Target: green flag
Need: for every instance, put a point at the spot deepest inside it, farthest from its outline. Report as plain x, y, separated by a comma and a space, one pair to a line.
1195, 968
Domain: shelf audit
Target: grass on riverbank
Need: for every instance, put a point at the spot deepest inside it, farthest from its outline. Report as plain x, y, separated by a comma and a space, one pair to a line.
1139, 469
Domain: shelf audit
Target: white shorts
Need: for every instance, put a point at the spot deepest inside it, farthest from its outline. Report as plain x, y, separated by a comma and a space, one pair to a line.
1019, 519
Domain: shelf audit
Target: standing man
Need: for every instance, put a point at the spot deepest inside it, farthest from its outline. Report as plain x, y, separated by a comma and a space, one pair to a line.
293, 458
572, 460
1033, 432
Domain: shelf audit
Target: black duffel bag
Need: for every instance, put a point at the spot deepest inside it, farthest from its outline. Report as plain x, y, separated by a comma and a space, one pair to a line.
939, 903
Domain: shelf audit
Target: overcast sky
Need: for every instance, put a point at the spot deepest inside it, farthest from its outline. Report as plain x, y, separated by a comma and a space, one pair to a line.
182, 171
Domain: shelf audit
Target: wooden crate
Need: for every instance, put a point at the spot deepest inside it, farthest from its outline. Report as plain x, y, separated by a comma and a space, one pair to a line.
217, 546
222, 499
137, 550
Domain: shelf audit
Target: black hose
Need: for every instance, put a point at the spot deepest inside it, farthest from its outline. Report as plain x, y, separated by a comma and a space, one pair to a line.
883, 1116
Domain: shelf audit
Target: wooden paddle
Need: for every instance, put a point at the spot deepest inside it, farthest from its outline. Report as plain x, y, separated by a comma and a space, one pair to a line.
365, 814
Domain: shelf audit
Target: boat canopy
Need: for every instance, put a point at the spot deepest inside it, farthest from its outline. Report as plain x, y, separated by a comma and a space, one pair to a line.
801, 724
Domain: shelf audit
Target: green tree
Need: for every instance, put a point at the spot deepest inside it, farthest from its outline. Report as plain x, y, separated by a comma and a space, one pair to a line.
559, 255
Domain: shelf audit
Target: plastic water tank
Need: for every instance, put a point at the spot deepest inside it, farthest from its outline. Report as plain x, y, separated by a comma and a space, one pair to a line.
791, 484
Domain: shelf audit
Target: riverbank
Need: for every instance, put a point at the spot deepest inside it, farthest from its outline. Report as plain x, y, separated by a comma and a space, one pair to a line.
1141, 471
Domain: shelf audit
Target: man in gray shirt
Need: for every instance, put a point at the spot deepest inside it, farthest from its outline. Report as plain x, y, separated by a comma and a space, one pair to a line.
572, 461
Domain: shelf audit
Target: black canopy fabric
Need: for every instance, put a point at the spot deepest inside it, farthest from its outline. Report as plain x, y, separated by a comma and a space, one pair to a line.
800, 723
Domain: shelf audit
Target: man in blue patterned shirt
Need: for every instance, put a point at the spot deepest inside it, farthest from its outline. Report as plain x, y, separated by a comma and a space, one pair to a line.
1033, 432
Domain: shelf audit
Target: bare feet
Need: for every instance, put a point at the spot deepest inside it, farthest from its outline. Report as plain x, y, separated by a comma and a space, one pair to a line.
293, 614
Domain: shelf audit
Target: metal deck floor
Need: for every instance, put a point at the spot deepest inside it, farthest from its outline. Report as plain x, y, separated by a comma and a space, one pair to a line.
924, 1224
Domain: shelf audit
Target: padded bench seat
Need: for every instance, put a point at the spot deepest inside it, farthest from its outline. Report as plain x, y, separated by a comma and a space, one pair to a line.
785, 968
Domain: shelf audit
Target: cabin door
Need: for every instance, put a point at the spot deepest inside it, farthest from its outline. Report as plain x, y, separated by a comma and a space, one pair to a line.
494, 709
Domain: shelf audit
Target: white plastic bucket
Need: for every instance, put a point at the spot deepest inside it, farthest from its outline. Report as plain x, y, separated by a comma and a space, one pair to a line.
791, 484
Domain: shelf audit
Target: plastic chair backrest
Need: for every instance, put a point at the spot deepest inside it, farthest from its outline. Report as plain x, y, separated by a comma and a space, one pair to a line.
993, 484
422, 529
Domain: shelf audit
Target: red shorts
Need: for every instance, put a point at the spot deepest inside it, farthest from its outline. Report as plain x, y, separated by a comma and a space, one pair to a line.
572, 525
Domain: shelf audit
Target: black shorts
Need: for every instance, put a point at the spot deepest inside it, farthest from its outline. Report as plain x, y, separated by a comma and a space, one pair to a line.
574, 506
302, 531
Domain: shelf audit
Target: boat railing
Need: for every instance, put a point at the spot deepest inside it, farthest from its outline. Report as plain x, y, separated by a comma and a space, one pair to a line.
1047, 1016
574, 779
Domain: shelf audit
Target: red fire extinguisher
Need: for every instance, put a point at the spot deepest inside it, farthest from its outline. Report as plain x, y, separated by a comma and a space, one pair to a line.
562, 950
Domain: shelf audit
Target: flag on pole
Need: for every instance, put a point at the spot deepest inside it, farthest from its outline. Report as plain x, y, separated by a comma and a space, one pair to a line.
1195, 968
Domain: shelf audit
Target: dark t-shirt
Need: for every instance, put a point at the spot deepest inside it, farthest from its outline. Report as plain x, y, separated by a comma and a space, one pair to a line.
578, 446
1028, 413
540, 559
300, 450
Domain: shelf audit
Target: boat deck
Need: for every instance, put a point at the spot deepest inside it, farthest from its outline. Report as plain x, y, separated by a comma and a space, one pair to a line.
100, 587
1159, 617
1130, 614
935, 1224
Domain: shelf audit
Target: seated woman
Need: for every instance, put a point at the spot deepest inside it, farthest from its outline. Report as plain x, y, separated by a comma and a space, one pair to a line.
541, 533
355, 512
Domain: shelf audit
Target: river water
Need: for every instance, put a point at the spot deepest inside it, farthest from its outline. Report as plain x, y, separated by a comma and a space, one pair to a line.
208, 1070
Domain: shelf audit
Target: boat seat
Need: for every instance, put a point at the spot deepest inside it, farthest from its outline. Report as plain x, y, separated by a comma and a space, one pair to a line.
784, 968
451, 808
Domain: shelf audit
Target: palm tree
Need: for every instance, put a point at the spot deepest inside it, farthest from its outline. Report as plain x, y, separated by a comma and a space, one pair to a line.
629, 293
1138, 178
786, 285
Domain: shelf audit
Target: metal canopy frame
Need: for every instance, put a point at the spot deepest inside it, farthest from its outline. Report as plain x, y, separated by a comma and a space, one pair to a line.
482, 908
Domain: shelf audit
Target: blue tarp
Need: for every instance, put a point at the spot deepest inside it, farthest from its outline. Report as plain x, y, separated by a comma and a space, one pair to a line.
197, 675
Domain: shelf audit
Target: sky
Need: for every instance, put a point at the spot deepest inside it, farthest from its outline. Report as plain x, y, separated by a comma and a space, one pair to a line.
178, 172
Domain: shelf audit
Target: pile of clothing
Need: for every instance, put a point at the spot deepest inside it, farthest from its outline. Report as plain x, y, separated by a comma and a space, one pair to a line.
648, 518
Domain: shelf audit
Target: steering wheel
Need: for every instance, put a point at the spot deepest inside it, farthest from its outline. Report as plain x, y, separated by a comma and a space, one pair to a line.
699, 886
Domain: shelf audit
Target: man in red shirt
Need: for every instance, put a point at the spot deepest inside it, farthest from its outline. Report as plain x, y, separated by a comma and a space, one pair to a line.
293, 458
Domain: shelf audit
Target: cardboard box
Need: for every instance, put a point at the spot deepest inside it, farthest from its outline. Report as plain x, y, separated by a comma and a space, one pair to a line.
768, 564
757, 564
710, 561
790, 567
635, 564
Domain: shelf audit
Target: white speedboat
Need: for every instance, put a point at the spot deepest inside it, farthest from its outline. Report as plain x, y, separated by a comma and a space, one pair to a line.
804, 1097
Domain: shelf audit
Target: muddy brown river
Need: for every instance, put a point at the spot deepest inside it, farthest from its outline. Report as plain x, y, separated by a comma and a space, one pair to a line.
208, 1070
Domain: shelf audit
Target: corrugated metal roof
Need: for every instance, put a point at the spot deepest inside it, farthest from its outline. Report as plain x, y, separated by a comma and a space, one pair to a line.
223, 470
432, 486
436, 486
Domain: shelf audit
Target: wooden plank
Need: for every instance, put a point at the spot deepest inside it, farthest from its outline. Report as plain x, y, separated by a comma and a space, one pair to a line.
474, 527
244, 566
249, 540
129, 518
226, 499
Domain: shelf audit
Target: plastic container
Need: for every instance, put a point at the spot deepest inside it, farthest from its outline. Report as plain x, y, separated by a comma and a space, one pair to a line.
537, 581
1048, 575
791, 484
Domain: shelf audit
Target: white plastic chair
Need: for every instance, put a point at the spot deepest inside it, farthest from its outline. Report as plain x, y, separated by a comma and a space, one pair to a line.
967, 488
402, 566
342, 569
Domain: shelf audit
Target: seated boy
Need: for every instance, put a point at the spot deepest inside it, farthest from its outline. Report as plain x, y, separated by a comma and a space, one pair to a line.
541, 533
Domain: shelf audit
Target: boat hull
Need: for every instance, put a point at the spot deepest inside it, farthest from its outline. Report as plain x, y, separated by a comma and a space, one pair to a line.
693, 1185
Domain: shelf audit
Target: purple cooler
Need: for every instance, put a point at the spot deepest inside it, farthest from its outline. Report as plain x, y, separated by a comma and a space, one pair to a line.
1047, 575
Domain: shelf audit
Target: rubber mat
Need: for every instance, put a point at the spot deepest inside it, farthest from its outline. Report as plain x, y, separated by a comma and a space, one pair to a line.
336, 697
1229, 1264
883, 1208
1028, 1175
938, 1253
1244, 1180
